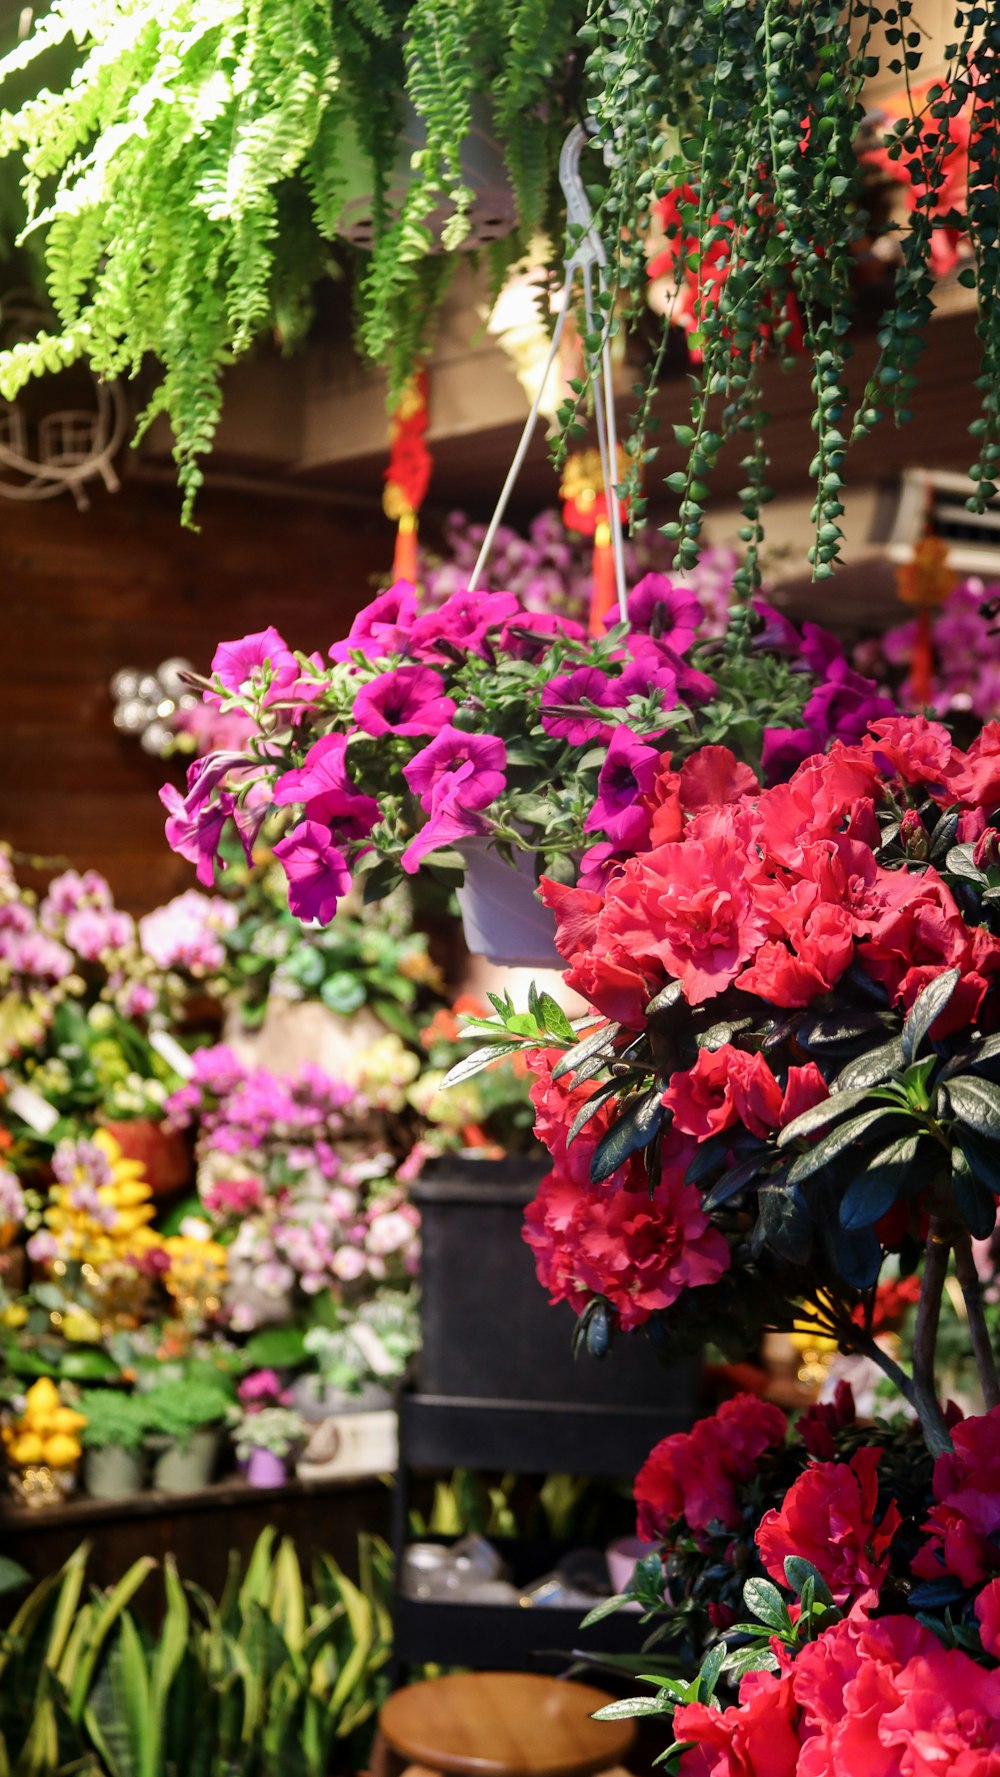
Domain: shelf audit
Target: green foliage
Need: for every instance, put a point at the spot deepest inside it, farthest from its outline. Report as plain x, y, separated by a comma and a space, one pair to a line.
113, 1418
188, 179
179, 1407
278, 1677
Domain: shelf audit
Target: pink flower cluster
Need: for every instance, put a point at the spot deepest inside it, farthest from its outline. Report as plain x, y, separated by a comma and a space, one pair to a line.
184, 933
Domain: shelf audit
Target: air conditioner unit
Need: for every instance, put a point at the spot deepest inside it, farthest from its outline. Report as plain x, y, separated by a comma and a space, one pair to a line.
935, 499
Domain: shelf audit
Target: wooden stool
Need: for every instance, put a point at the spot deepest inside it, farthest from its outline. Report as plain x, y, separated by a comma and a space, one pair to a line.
499, 1724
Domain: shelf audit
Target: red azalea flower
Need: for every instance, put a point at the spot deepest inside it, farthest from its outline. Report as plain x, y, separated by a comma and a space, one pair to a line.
818, 1425
966, 1516
694, 1474
828, 1517
758, 1737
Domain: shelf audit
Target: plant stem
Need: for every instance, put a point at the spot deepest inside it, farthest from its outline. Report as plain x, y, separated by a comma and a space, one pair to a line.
968, 1277
925, 1338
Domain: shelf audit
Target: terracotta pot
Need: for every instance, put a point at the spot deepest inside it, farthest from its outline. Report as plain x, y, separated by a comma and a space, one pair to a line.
164, 1153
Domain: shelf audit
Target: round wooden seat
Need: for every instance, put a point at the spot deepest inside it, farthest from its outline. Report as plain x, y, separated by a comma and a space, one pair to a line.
503, 1724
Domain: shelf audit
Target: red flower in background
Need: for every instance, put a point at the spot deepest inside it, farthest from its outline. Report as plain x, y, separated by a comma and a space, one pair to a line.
965, 1519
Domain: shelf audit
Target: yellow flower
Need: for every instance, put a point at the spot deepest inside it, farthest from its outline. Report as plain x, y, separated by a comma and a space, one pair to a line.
14, 1315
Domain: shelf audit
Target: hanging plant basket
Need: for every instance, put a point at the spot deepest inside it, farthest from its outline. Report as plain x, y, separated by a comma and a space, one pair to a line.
502, 916
491, 214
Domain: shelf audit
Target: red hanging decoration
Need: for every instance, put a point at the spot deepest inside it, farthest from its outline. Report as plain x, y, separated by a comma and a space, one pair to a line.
585, 509
408, 474
925, 581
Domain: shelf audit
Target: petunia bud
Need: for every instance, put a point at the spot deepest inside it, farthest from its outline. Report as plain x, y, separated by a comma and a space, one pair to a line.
913, 835
986, 851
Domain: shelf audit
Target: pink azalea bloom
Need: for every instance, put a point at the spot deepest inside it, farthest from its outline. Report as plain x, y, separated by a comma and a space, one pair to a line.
627, 773
383, 627
246, 663
317, 871
407, 700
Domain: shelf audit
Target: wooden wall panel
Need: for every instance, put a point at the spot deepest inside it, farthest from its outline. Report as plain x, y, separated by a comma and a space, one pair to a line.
124, 585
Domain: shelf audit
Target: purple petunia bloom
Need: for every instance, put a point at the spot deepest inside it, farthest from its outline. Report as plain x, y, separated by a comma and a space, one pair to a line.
383, 627
627, 773
666, 609
326, 791
317, 871
530, 633
820, 649
447, 754
784, 750
599, 864
450, 818
196, 834
570, 689
407, 700
779, 635
842, 707
462, 622
243, 663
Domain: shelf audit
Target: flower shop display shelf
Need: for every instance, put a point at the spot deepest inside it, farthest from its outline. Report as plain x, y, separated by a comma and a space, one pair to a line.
200, 1529
507, 1636
525, 1438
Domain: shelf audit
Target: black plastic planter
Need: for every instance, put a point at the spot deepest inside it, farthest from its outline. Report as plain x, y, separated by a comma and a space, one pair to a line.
489, 1331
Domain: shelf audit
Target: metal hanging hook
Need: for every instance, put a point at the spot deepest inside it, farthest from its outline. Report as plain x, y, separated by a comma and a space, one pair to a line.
587, 259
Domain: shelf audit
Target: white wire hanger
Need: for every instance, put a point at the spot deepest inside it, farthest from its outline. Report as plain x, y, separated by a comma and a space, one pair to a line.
588, 259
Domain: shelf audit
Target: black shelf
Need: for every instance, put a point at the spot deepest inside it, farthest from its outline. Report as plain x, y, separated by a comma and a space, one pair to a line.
441, 1433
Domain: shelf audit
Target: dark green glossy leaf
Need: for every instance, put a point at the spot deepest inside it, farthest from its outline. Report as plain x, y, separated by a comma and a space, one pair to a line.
926, 1008
764, 1601
798, 1570
976, 1102
662, 1001
974, 1198
841, 1031
856, 1253
733, 1180
633, 1131
785, 1223
596, 1043
959, 863
590, 1109
871, 1068
875, 1190
877, 1125
819, 1115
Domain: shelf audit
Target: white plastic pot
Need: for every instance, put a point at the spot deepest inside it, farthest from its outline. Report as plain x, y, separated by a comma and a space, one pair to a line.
504, 919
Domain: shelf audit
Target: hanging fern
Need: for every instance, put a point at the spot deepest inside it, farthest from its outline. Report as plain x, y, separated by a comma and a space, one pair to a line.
188, 181
187, 185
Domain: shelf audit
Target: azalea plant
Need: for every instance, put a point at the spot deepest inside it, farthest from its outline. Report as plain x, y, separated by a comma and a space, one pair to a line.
482, 722
788, 1076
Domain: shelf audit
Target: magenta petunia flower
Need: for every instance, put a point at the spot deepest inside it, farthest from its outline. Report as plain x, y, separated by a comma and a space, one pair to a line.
627, 773
451, 818
784, 750
444, 757
563, 714
317, 871
463, 621
665, 609
326, 791
530, 633
246, 662
195, 834
407, 700
383, 627
779, 635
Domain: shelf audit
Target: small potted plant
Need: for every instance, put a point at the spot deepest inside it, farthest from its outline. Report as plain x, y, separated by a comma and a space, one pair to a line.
113, 1442
184, 1418
265, 1440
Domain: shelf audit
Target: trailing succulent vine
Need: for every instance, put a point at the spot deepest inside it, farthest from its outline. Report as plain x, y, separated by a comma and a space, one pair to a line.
188, 184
